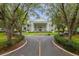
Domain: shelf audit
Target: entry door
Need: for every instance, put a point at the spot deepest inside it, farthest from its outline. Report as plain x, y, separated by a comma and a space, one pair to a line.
40, 29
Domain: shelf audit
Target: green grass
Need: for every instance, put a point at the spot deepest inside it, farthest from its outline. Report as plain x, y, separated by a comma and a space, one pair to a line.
2, 38
75, 38
39, 33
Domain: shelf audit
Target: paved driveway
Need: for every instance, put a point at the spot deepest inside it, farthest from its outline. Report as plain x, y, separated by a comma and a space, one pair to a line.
39, 46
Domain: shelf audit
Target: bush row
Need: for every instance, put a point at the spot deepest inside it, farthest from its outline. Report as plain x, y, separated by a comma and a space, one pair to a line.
5, 44
67, 44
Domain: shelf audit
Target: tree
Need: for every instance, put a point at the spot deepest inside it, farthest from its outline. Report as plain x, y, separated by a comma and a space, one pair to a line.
71, 20
13, 16
64, 16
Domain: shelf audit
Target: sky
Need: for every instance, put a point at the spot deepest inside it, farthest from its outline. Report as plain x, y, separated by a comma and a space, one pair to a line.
40, 12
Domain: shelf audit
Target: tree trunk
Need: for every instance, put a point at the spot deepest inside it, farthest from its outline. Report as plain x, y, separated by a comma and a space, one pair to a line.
63, 29
70, 31
58, 30
9, 34
70, 34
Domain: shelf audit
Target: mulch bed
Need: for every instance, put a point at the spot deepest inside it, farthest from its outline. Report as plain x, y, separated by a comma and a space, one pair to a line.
5, 50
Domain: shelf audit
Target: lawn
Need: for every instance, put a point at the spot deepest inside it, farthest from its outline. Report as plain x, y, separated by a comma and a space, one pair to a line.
39, 33
75, 38
2, 38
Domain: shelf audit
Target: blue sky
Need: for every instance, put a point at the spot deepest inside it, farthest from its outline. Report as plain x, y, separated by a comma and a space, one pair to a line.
40, 12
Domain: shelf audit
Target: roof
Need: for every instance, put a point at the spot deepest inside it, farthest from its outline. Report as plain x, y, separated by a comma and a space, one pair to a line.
39, 20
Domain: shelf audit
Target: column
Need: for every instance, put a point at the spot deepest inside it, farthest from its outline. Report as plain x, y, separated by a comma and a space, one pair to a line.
32, 27
47, 26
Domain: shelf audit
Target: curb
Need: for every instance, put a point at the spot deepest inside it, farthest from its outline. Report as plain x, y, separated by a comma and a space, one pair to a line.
4, 54
64, 49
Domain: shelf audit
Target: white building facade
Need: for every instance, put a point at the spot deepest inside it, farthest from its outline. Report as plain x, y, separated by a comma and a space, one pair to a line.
38, 25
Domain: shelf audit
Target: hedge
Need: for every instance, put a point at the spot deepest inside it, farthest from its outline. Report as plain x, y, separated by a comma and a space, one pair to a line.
67, 44
5, 44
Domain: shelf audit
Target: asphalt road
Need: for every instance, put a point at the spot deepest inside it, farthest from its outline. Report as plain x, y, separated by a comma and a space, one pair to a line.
39, 46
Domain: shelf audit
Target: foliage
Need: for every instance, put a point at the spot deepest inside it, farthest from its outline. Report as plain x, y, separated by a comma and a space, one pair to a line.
63, 17
12, 18
71, 45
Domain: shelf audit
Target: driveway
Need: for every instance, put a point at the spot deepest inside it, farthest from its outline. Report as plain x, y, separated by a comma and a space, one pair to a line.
39, 46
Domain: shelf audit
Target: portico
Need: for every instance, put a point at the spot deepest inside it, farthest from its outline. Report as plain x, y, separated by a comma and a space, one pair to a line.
39, 25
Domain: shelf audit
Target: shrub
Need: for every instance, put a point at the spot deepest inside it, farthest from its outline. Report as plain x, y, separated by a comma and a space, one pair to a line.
6, 44
49, 34
68, 44
3, 44
17, 39
75, 45
60, 39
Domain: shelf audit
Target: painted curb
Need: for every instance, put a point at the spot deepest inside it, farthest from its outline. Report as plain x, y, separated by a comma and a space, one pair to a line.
14, 49
64, 49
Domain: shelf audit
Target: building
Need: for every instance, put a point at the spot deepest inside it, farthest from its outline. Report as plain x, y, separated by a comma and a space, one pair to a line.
38, 25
